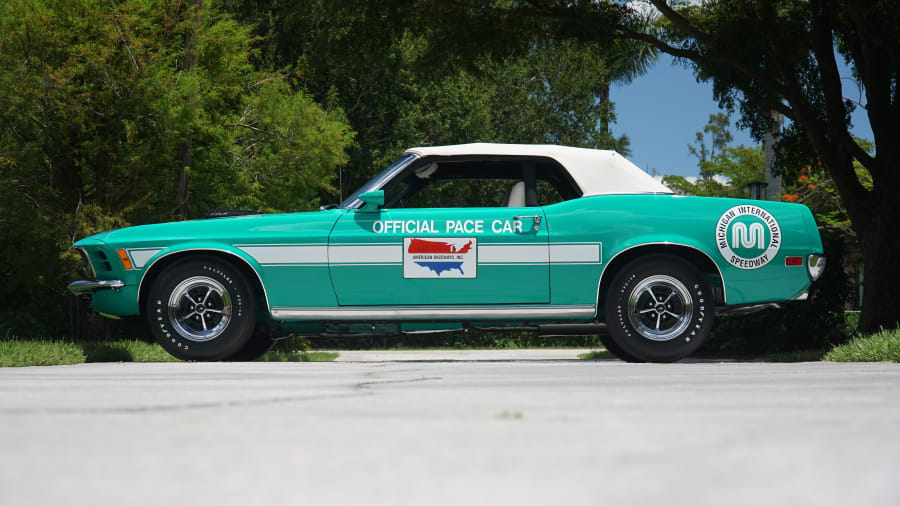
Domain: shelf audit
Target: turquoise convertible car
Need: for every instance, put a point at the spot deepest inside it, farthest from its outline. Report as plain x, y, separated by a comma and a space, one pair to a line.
552, 239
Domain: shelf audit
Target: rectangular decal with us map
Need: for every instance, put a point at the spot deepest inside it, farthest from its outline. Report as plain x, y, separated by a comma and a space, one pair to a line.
440, 258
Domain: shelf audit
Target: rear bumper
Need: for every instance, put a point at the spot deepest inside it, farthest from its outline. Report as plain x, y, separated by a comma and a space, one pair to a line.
84, 286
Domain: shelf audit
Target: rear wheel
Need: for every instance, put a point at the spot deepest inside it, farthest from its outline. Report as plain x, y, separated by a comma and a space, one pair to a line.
613, 348
659, 309
201, 309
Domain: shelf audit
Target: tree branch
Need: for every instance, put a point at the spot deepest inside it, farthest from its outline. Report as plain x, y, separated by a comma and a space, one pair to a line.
682, 22
260, 130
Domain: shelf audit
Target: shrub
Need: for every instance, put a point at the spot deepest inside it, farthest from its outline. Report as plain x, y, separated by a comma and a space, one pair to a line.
817, 323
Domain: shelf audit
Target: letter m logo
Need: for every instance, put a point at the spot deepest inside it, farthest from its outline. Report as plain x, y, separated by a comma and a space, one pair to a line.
755, 236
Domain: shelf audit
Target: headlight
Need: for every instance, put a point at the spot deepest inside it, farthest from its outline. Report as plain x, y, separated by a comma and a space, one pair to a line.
816, 266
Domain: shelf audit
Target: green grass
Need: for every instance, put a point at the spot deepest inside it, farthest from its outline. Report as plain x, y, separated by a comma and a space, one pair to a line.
26, 352
879, 347
308, 356
596, 355
15, 353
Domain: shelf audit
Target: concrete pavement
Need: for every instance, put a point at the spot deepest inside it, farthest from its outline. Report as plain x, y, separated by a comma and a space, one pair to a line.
532, 427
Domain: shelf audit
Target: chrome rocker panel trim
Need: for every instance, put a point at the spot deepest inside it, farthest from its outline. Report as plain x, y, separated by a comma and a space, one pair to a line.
84, 286
433, 312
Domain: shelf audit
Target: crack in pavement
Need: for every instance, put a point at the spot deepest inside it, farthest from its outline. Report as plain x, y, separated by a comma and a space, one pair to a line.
358, 390
179, 407
367, 384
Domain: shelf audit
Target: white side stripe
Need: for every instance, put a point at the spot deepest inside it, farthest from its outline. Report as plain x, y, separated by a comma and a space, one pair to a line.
387, 253
362, 254
564, 253
288, 254
139, 257
502, 253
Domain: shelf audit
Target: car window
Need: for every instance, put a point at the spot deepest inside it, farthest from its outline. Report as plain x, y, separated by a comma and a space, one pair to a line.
448, 182
547, 193
464, 193
377, 181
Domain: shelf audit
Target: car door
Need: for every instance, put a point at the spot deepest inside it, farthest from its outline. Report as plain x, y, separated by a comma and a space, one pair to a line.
446, 256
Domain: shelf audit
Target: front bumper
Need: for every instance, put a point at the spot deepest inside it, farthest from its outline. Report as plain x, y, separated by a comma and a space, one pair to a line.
84, 286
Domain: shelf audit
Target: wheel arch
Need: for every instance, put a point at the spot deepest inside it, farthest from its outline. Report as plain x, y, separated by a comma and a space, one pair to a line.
693, 255
233, 258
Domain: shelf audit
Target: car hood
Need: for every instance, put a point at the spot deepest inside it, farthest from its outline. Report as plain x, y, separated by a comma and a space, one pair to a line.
233, 228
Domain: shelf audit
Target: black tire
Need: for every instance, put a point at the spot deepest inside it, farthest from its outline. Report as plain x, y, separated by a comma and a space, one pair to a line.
613, 348
659, 308
216, 331
258, 344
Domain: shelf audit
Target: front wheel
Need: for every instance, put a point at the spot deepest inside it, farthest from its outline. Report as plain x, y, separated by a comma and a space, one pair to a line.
659, 309
201, 309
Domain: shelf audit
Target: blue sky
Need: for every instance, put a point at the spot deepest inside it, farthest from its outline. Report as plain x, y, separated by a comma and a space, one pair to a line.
662, 111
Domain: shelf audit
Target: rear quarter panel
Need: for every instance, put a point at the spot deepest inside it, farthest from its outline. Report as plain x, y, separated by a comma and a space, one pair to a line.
622, 222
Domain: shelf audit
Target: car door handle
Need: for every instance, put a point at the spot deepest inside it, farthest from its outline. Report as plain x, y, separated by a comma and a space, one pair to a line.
534, 217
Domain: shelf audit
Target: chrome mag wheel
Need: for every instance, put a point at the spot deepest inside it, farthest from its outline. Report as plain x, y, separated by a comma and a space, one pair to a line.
660, 308
199, 309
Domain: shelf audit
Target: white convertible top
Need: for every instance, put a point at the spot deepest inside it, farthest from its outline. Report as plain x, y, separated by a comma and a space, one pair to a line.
597, 172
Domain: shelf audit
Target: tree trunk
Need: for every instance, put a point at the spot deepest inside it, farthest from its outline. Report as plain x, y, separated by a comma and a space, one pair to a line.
181, 194
603, 97
773, 182
880, 243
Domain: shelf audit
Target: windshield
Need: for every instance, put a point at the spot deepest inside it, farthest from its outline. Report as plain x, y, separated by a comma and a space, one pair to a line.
378, 181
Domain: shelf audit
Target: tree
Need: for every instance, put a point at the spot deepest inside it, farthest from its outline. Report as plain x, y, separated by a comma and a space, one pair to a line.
740, 166
720, 136
94, 110
403, 86
774, 55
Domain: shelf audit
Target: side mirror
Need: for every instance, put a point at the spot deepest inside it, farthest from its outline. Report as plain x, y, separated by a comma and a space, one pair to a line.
371, 201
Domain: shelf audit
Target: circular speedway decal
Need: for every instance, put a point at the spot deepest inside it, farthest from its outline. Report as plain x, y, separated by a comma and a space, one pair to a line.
748, 237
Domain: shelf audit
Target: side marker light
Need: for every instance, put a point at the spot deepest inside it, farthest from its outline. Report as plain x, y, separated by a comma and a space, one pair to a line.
126, 262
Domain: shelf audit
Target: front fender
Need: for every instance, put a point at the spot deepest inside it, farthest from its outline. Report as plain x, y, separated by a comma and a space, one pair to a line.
167, 255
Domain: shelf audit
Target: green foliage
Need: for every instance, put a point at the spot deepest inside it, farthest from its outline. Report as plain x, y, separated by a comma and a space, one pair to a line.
315, 356
764, 57
98, 112
878, 347
720, 136
814, 324
812, 185
26, 352
138, 111
16, 352
402, 84
740, 166
457, 340
597, 355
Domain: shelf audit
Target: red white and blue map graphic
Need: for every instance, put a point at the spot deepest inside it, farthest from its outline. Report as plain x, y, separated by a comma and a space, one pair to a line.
439, 258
